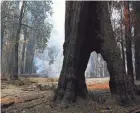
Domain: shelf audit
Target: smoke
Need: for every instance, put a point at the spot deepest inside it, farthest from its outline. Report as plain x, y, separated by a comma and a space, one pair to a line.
55, 43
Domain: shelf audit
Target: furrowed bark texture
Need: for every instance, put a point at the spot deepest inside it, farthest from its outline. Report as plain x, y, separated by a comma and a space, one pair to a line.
69, 81
88, 28
120, 84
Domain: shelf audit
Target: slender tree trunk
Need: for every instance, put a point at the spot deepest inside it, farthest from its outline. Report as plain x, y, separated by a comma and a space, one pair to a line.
25, 60
23, 51
122, 39
137, 39
2, 37
96, 60
32, 63
92, 66
137, 57
128, 40
29, 57
104, 69
137, 54
30, 54
15, 76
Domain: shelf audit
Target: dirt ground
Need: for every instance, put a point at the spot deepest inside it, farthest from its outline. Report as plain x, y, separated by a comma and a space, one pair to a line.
34, 95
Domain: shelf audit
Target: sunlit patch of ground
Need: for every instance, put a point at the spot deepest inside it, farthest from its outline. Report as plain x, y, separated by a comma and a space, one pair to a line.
43, 80
97, 83
98, 86
92, 83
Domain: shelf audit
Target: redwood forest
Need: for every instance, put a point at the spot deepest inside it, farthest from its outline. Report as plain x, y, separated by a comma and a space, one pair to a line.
62, 56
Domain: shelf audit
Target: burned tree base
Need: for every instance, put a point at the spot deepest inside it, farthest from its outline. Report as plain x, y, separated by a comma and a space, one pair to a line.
124, 93
67, 95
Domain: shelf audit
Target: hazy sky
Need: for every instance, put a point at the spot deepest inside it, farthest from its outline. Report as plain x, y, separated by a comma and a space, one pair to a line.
57, 35
56, 40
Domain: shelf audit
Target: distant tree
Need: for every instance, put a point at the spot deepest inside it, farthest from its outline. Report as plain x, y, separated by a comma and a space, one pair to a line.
52, 54
23, 56
92, 67
128, 36
90, 71
38, 12
29, 21
136, 7
118, 25
121, 37
10, 13
17, 38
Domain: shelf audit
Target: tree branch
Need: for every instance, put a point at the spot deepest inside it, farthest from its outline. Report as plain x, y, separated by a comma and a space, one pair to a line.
26, 25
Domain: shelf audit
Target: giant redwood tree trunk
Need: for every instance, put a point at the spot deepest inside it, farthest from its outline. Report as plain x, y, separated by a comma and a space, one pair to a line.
120, 84
72, 79
87, 30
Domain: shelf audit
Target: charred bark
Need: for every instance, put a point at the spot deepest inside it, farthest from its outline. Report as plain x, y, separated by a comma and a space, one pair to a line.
137, 39
71, 78
137, 56
87, 30
120, 84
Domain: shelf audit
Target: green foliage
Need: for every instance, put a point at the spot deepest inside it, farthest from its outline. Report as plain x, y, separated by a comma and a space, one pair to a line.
40, 10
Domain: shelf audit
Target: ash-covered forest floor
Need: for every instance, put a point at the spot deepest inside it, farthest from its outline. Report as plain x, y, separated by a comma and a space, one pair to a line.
34, 95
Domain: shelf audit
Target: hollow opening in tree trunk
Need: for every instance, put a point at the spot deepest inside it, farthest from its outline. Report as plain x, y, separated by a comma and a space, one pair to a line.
96, 67
97, 75
85, 32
